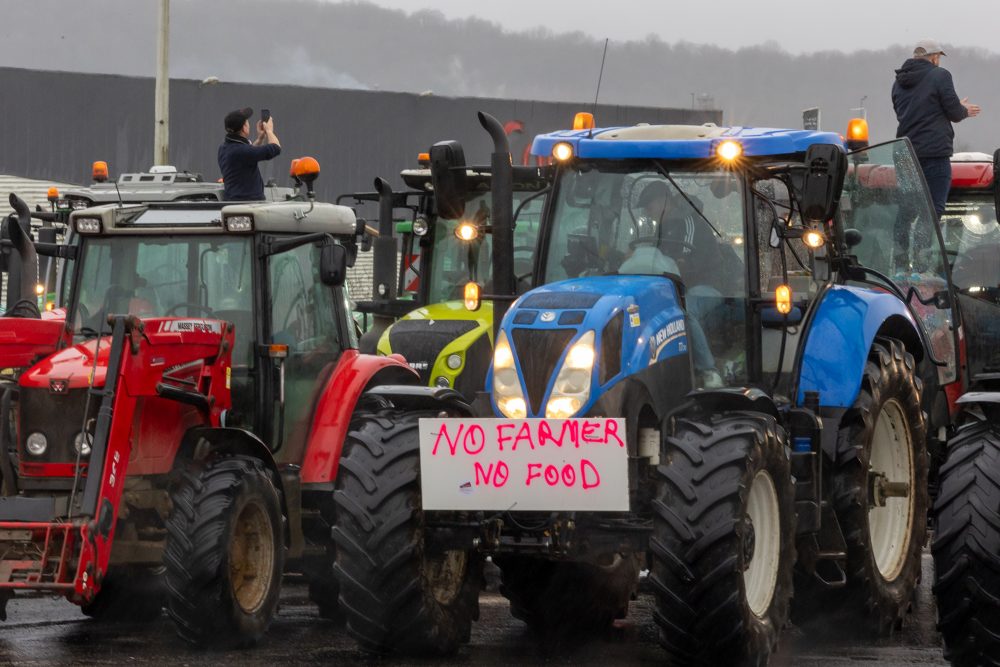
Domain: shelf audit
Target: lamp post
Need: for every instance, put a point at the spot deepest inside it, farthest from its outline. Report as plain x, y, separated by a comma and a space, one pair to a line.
161, 117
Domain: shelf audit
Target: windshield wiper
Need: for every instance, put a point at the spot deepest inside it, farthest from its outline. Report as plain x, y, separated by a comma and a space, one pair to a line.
666, 174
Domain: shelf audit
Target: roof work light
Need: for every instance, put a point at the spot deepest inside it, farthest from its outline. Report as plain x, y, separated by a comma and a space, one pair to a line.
729, 150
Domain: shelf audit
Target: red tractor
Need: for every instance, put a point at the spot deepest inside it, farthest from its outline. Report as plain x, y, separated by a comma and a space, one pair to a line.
178, 425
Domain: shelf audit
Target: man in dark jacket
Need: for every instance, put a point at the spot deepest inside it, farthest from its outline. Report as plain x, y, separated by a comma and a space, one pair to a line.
238, 158
926, 105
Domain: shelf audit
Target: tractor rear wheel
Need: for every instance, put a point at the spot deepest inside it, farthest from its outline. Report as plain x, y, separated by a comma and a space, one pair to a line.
723, 540
225, 552
133, 595
558, 599
879, 487
967, 547
397, 594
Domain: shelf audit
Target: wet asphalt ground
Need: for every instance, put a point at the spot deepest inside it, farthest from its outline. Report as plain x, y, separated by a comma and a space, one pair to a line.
45, 631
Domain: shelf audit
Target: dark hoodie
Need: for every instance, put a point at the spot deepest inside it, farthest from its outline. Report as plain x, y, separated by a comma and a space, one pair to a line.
926, 105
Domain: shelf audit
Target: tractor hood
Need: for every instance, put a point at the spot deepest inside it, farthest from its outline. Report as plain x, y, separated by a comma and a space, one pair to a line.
634, 321
429, 336
25, 340
70, 368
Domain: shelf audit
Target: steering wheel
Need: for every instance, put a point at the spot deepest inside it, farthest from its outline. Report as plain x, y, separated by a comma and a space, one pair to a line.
197, 306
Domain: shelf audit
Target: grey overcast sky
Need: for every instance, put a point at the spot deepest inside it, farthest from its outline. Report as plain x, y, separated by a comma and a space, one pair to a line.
798, 26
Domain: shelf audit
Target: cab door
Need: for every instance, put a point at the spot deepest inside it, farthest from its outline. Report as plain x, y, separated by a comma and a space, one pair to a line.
886, 200
306, 337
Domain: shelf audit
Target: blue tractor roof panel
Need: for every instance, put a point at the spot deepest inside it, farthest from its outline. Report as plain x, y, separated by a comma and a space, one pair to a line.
679, 141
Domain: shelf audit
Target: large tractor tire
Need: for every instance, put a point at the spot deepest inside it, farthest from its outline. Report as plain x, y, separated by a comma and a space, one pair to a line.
397, 595
723, 545
879, 488
966, 547
562, 600
132, 595
225, 552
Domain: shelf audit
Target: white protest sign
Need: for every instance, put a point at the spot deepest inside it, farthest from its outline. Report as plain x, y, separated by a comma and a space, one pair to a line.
524, 464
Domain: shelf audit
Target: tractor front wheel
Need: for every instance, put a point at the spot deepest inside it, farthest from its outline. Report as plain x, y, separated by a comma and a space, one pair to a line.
967, 547
225, 552
398, 594
723, 540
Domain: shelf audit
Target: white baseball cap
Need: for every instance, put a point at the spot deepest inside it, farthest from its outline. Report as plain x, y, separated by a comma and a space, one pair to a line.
928, 47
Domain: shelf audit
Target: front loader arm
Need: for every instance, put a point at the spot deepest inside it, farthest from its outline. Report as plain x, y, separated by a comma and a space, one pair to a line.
186, 360
178, 359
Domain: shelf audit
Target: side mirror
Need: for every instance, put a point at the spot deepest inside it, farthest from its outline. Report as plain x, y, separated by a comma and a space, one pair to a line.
448, 179
332, 264
996, 181
826, 166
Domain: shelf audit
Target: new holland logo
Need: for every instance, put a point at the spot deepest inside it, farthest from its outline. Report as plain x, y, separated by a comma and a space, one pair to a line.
59, 386
548, 316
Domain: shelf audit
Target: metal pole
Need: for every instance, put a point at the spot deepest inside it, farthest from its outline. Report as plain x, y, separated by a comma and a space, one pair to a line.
161, 131
501, 218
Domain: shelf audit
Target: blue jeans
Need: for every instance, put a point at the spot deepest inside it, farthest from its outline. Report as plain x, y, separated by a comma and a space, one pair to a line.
937, 173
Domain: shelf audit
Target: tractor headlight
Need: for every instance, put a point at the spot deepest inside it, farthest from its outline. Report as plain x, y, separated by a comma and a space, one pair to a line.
506, 384
36, 444
81, 443
572, 386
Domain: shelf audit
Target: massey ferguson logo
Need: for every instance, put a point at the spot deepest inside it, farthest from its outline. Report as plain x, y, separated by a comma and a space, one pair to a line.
58, 386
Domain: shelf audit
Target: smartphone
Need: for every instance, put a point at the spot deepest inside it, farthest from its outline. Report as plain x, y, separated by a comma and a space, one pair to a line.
265, 115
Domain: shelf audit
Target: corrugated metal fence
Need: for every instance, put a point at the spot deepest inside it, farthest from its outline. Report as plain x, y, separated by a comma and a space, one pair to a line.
57, 123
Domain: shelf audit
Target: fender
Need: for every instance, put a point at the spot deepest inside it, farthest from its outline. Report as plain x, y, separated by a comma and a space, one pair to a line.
734, 398
840, 336
336, 407
202, 441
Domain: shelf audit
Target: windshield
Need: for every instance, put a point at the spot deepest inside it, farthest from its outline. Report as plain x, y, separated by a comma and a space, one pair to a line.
196, 276
610, 218
609, 221
451, 257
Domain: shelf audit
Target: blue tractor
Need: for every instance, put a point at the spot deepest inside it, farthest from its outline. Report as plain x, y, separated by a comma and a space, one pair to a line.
737, 355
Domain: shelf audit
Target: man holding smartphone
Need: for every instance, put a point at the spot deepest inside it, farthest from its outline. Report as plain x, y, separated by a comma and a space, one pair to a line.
238, 157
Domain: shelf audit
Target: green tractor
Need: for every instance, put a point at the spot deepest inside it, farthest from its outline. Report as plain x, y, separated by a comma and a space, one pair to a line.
433, 270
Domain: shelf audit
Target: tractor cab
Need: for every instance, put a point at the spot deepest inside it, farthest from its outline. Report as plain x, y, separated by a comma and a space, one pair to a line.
160, 184
429, 248
447, 344
273, 270
720, 219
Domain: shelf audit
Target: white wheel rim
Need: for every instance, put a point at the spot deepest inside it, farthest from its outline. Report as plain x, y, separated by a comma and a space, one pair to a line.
761, 573
889, 525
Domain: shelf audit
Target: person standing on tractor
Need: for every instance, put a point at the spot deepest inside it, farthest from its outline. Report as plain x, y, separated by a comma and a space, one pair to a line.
926, 105
238, 158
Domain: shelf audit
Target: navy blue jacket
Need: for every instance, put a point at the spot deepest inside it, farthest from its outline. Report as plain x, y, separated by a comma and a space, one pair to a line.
238, 160
926, 105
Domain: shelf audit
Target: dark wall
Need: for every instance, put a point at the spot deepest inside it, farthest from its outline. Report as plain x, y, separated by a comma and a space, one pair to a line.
55, 124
